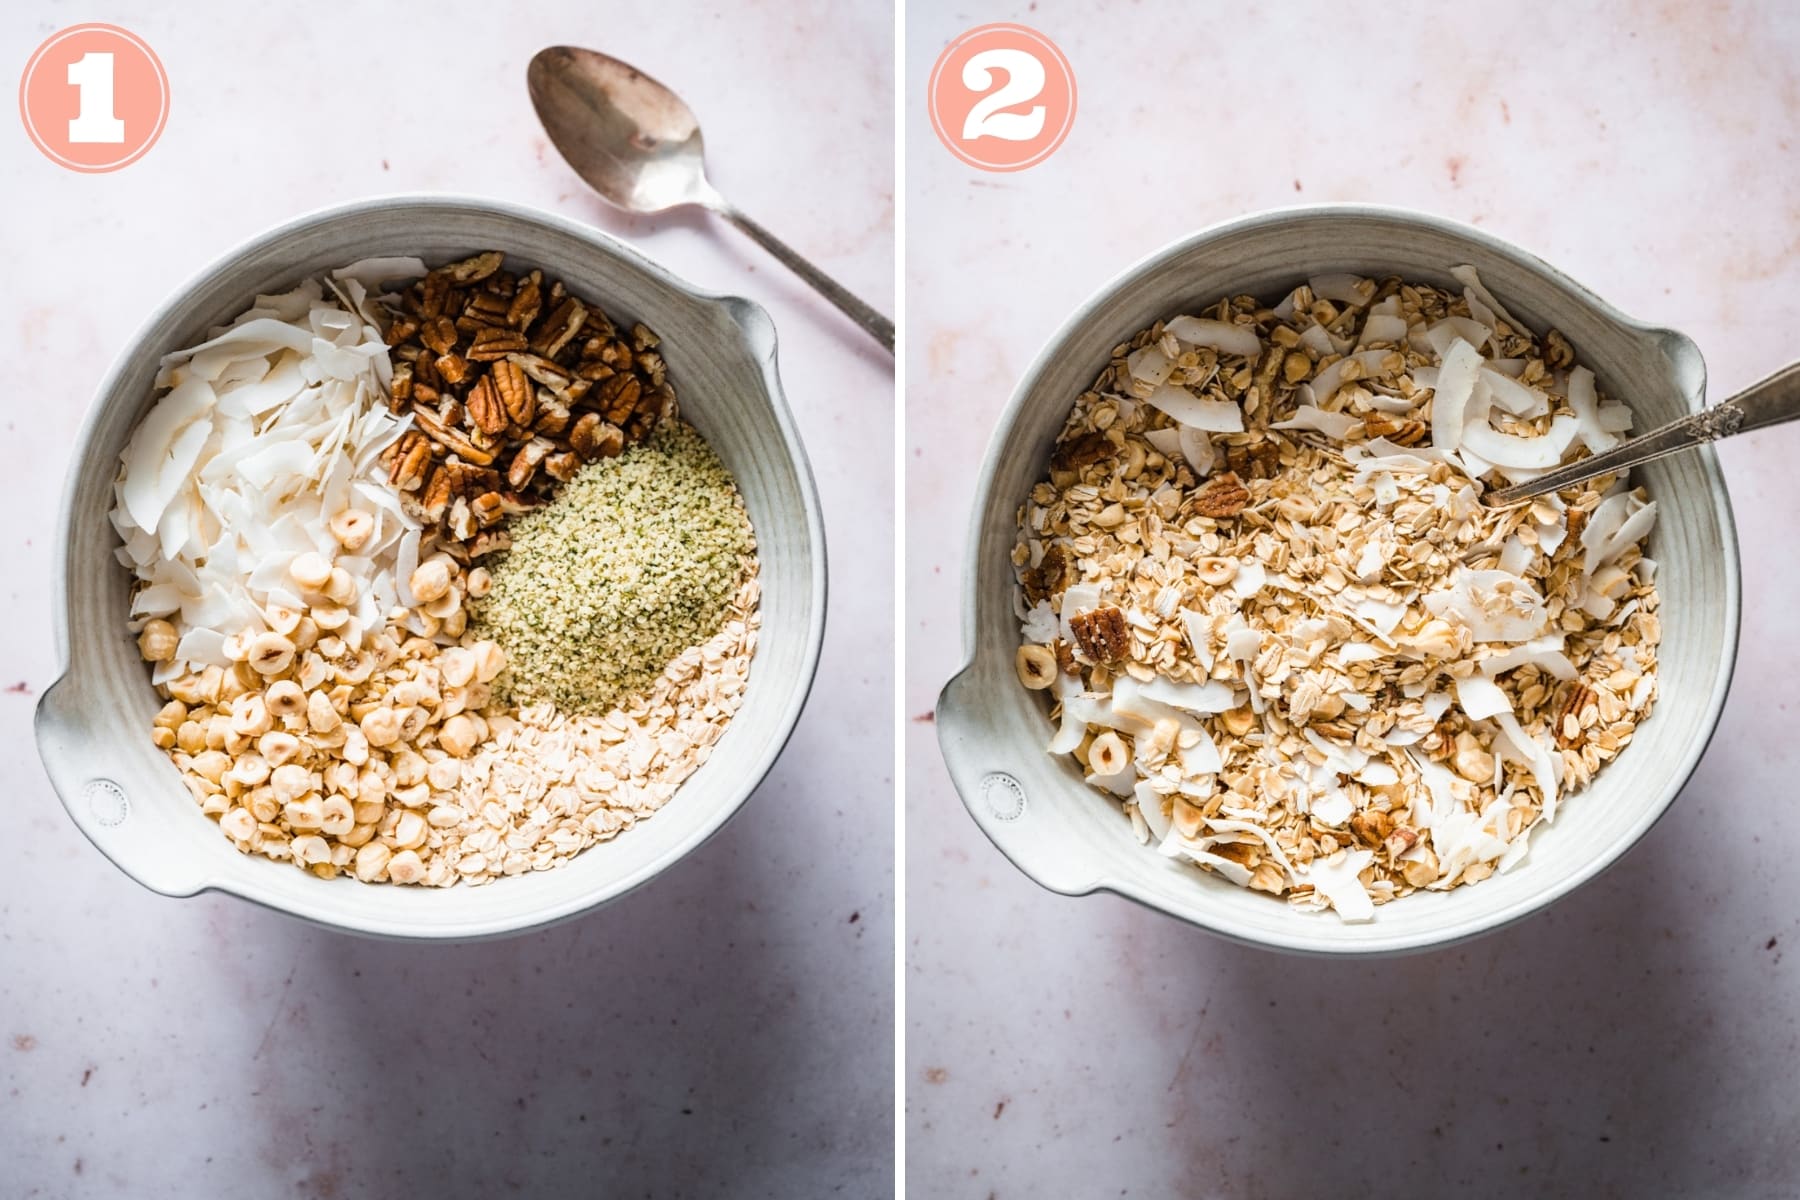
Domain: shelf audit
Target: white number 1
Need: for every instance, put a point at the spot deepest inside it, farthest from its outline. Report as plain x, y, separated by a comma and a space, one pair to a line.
92, 76
1024, 80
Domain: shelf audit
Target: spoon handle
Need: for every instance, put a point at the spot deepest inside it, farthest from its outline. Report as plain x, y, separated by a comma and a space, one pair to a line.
873, 323
1770, 401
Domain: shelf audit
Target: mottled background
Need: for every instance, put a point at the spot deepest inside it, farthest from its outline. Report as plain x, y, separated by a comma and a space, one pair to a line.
726, 1031
1639, 1039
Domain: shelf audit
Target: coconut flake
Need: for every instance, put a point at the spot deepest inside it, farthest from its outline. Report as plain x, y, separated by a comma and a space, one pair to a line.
1471, 279
1332, 424
1326, 383
1219, 335
1380, 327
1213, 696
1333, 808
1455, 386
1495, 606
1336, 880
1480, 698
1148, 364
1198, 412
1441, 335
1509, 450
1512, 396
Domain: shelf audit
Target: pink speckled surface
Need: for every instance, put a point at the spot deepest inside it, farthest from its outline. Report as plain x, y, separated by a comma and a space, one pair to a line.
724, 1032
1638, 1040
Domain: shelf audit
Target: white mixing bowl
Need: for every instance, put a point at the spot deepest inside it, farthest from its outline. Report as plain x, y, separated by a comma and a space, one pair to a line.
1071, 839
93, 724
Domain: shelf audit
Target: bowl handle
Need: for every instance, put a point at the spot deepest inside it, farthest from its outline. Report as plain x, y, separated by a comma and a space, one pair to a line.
95, 784
1033, 834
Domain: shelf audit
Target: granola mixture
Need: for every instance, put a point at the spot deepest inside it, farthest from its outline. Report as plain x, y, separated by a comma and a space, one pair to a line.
306, 511
1275, 620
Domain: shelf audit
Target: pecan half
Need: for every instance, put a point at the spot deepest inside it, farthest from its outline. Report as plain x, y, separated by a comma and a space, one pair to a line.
1224, 496
619, 398
487, 412
517, 396
1102, 634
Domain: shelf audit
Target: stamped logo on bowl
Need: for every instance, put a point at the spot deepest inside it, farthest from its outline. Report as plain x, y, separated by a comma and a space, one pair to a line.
1002, 97
94, 98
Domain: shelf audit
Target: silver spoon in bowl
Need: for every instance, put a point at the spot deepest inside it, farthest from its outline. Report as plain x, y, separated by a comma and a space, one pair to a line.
1770, 401
638, 145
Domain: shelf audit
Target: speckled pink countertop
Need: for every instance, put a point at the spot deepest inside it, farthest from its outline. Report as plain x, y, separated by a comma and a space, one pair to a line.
1638, 1040
724, 1032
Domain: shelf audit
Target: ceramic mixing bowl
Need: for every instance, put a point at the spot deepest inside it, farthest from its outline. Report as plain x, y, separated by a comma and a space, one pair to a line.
93, 724
1072, 839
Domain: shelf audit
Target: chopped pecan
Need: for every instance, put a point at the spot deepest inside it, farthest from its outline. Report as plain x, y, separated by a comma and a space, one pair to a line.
553, 415
525, 462
1568, 730
450, 439
1048, 577
488, 541
563, 467
1082, 452
1401, 433
619, 397
461, 521
409, 458
401, 328
474, 269
439, 333
434, 497
487, 508
452, 368
486, 410
1223, 496
559, 327
526, 301
490, 344
1371, 826
1259, 460
542, 370
1102, 634
593, 438
401, 386
487, 308
434, 292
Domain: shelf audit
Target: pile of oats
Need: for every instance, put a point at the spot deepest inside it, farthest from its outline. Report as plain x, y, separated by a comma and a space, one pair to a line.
548, 784
1275, 620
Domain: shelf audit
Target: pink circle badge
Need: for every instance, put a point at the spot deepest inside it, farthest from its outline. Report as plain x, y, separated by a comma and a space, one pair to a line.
94, 97
1002, 97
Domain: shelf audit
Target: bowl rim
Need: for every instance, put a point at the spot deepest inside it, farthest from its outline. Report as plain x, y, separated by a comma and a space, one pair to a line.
1321, 944
759, 342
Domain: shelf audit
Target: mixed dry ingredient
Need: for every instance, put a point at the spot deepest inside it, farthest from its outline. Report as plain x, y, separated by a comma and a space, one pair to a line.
327, 489
1277, 623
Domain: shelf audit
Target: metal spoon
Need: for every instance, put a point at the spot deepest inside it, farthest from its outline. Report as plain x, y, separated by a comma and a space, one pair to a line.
1771, 401
638, 145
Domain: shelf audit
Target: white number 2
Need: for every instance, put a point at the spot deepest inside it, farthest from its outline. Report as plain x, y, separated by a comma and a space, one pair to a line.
92, 76
1024, 80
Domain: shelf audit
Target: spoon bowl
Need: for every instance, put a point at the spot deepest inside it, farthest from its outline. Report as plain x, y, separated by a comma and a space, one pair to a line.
631, 139
638, 145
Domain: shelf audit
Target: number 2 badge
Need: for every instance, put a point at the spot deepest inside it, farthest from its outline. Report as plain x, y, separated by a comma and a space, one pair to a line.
1002, 97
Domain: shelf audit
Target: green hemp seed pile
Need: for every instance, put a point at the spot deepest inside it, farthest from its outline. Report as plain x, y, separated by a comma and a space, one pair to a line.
636, 560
